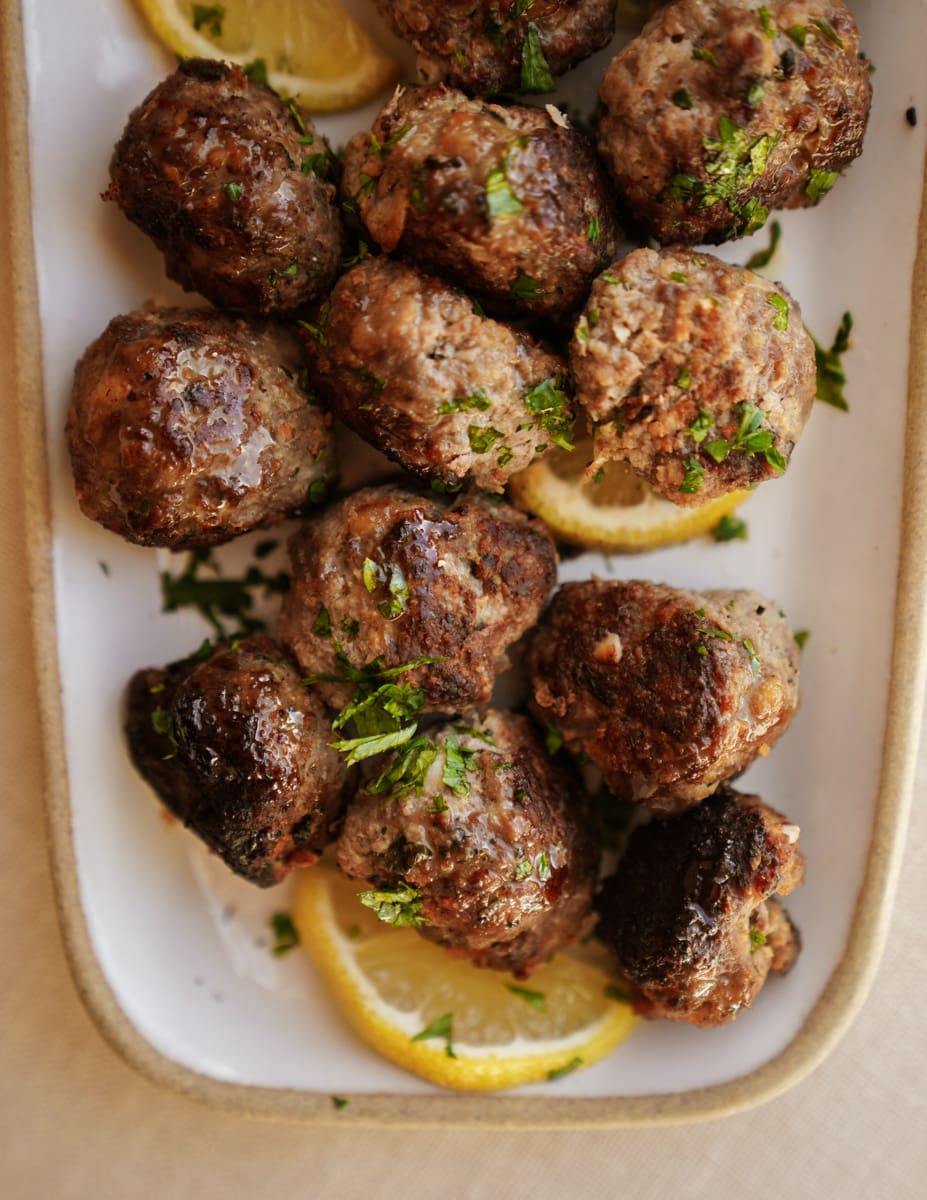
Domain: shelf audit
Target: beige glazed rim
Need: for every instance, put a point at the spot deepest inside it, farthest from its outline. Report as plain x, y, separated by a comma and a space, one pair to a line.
20, 335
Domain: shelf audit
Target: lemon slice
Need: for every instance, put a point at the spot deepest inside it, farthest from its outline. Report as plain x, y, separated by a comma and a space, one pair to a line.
313, 51
617, 513
444, 1019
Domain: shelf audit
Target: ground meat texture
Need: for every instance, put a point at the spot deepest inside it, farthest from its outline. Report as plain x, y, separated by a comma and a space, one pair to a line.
405, 361
510, 203
719, 111
237, 747
187, 428
222, 175
489, 46
493, 836
689, 912
699, 375
389, 575
669, 692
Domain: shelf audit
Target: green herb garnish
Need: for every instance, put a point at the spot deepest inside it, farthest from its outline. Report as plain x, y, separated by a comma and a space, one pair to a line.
286, 935
819, 184
549, 404
781, 305
210, 15
831, 377
400, 906
479, 400
215, 597
692, 480
565, 1070
233, 190
730, 529
535, 70
682, 99
441, 1028
762, 258
536, 999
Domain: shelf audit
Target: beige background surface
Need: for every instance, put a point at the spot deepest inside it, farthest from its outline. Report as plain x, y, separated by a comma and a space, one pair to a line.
76, 1122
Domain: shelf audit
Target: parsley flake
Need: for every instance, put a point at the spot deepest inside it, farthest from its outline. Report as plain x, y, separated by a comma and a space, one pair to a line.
286, 935
440, 1028
210, 15
682, 99
559, 1072
730, 529
233, 190
762, 258
526, 288
535, 70
536, 999
550, 406
692, 480
781, 305
400, 906
479, 400
831, 377
819, 184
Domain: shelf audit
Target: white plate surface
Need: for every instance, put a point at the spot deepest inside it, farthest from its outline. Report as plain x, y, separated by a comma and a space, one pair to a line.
181, 943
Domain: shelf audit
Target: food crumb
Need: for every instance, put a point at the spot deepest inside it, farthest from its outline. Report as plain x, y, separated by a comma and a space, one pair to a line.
911, 116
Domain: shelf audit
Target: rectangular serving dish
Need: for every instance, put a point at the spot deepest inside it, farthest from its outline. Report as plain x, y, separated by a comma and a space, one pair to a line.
171, 974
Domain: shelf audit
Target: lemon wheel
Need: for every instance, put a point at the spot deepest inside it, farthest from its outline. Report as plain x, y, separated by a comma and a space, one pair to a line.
313, 51
616, 512
444, 1019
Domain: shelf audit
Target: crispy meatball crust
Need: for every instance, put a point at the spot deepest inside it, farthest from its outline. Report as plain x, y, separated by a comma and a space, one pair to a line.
711, 118
676, 356
669, 692
479, 44
210, 167
477, 575
189, 427
689, 912
237, 747
510, 203
405, 361
503, 857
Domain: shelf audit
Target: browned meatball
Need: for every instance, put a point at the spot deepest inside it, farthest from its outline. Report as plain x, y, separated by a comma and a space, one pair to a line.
689, 912
669, 692
405, 361
389, 575
722, 109
221, 174
511, 203
491, 46
237, 747
485, 840
698, 374
187, 428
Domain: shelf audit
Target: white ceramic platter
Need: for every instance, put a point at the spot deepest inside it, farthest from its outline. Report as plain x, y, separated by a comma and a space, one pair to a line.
178, 942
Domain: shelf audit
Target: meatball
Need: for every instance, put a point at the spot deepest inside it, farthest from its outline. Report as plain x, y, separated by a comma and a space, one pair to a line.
689, 912
187, 428
511, 203
237, 747
485, 839
720, 110
497, 45
699, 375
405, 361
669, 692
222, 175
390, 577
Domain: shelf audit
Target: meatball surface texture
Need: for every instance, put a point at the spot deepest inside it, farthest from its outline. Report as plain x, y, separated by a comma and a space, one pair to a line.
387, 574
451, 395
689, 912
217, 170
492, 46
698, 374
721, 110
510, 203
237, 747
669, 692
189, 427
491, 833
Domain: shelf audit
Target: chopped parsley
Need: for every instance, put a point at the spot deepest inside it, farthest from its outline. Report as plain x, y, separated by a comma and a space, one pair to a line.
535, 70
705, 56
762, 258
483, 438
210, 15
322, 625
401, 906
828, 30
614, 992
819, 184
440, 1028
553, 738
317, 331
766, 21
730, 529
781, 305
339, 1102
755, 93
737, 164
679, 277
798, 34
831, 375
215, 598
749, 439
256, 70
612, 279
542, 866
233, 190
559, 1072
801, 637
536, 999
526, 288
682, 99
684, 378
379, 149
501, 200
757, 939
549, 404
458, 762
700, 426
594, 229
692, 480
754, 657
479, 400
286, 935
407, 770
